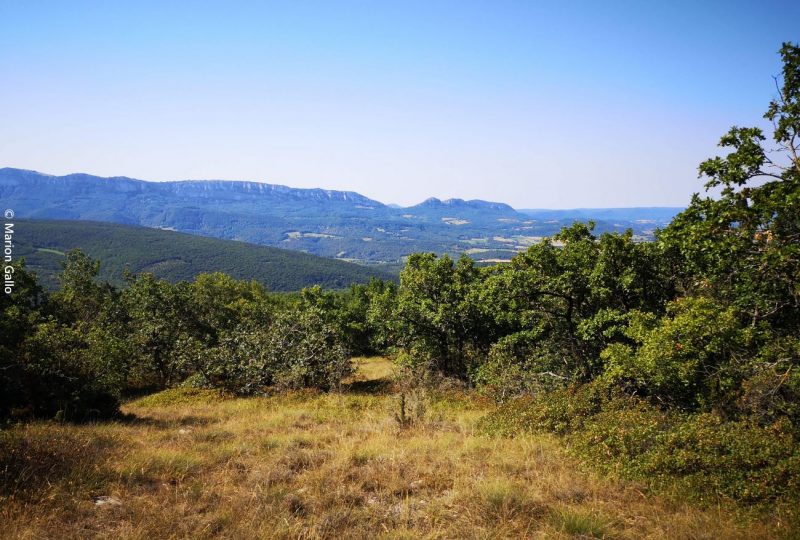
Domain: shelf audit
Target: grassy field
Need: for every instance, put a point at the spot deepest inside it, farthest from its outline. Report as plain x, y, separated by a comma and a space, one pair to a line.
190, 464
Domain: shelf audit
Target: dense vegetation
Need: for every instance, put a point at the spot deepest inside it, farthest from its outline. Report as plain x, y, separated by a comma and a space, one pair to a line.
176, 256
676, 361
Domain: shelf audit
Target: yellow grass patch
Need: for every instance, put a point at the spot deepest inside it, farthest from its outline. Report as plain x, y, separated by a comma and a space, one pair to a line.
190, 464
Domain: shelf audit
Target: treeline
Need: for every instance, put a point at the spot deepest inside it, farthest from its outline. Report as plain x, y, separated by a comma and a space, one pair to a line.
76, 352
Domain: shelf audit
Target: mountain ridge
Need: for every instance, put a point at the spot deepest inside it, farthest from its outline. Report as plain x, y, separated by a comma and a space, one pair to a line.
336, 224
249, 186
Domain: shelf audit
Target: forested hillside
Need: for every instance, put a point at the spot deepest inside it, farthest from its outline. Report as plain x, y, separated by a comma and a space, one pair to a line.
176, 257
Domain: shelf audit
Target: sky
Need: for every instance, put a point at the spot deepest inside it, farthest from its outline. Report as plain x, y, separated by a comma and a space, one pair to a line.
536, 104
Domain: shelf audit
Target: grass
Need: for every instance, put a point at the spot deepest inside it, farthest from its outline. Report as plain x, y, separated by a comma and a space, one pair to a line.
190, 464
581, 524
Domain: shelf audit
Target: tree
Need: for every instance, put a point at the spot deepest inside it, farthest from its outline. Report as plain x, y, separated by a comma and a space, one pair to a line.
683, 359
743, 246
220, 303
20, 313
81, 299
737, 255
158, 321
438, 322
561, 302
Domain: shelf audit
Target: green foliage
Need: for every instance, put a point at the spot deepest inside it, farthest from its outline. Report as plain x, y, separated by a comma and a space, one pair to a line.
218, 301
742, 247
519, 363
74, 354
698, 455
176, 257
574, 298
364, 314
60, 357
686, 358
772, 387
20, 312
561, 411
696, 386
156, 315
71, 374
298, 346
307, 350
534, 324
438, 319
739, 460
80, 298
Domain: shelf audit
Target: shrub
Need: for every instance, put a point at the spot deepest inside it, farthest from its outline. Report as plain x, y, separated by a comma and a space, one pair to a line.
684, 358
517, 364
701, 455
740, 460
299, 349
561, 411
73, 374
409, 408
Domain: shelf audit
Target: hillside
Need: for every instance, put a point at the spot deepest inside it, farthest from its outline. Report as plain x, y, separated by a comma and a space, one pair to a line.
336, 224
176, 256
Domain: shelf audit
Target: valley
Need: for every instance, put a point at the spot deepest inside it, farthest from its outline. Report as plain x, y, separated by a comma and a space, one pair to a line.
335, 224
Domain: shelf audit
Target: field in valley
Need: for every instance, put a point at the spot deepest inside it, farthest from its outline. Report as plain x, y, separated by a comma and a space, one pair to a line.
191, 464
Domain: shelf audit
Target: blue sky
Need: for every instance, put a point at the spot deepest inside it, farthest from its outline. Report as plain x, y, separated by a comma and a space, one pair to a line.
546, 105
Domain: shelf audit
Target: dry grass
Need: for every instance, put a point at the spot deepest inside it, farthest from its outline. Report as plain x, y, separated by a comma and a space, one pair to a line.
309, 465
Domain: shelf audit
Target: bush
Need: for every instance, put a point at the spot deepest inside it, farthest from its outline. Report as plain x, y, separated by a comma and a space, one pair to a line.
685, 358
300, 349
561, 411
517, 364
700, 455
740, 460
621, 432
72, 374
772, 389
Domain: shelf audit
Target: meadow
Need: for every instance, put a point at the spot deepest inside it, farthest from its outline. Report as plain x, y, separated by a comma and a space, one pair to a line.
191, 463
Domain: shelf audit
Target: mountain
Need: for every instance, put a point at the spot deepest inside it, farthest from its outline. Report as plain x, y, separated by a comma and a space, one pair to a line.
176, 256
460, 204
337, 224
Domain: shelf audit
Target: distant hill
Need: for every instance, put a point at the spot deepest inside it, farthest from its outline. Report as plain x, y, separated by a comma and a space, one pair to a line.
176, 256
659, 215
337, 224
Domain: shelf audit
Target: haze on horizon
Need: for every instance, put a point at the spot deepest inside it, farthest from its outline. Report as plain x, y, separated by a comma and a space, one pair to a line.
537, 106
